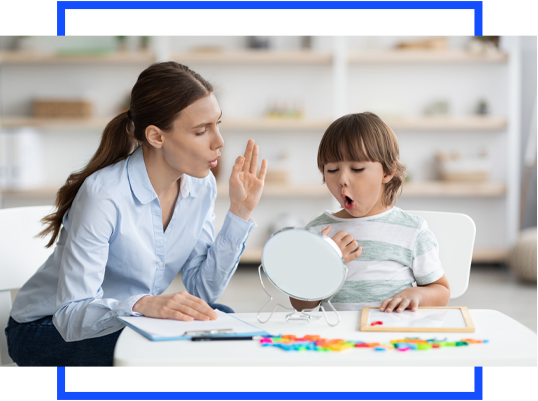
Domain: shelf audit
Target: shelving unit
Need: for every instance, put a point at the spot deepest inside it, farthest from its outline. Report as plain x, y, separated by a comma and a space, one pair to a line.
335, 64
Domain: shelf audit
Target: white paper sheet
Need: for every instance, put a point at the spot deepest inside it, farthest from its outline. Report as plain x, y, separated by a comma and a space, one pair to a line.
168, 329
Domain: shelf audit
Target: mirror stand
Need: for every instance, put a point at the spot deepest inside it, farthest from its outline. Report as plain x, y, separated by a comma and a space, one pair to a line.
301, 315
295, 315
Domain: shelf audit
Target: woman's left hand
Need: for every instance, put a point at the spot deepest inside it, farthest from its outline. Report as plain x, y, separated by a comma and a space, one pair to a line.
245, 187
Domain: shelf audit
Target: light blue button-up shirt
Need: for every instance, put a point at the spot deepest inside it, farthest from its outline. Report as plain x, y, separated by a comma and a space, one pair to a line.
112, 251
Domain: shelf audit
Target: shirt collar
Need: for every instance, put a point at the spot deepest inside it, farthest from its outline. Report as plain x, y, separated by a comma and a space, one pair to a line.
140, 183
185, 187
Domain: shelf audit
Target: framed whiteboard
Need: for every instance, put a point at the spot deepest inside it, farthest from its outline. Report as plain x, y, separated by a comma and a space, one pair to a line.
455, 319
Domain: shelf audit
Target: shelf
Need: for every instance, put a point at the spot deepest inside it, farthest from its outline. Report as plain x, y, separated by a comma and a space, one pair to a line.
62, 123
15, 57
269, 124
432, 189
254, 57
453, 189
46, 192
473, 123
270, 57
275, 124
425, 56
254, 255
494, 255
285, 191
416, 189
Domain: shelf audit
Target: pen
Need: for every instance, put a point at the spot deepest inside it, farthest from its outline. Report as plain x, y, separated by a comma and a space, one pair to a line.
201, 338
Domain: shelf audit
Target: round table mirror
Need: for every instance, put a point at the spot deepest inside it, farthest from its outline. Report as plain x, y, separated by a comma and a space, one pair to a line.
305, 265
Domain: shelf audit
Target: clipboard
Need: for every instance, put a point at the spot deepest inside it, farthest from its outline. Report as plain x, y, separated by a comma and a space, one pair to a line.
437, 319
167, 329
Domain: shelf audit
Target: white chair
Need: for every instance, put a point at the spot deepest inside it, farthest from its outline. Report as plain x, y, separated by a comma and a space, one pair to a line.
455, 233
21, 254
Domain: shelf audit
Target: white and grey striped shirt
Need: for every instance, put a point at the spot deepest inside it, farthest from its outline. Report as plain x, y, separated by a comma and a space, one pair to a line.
398, 250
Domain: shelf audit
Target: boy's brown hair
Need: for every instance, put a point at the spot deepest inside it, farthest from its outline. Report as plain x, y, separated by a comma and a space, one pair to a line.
364, 137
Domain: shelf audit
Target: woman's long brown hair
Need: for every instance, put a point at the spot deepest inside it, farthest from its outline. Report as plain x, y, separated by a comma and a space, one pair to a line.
160, 93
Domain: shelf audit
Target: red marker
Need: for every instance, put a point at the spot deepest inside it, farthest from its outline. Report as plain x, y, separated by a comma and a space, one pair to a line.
376, 323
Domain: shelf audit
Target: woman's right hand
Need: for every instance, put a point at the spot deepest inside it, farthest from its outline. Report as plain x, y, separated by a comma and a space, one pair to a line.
178, 306
347, 244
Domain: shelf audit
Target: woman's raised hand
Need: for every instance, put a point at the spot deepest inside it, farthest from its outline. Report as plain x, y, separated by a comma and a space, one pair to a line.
245, 186
178, 306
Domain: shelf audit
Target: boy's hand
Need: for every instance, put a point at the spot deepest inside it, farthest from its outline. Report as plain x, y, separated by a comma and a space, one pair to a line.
407, 299
347, 244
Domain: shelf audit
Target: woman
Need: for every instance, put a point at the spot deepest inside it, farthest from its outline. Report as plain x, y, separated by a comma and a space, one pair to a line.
132, 221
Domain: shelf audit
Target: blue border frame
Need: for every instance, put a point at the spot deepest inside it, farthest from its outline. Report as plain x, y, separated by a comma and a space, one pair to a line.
266, 16
269, 384
274, 17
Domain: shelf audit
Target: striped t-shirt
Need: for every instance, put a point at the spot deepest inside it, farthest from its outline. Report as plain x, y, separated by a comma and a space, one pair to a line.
398, 250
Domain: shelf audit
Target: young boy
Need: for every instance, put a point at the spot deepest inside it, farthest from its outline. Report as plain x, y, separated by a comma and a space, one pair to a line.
391, 255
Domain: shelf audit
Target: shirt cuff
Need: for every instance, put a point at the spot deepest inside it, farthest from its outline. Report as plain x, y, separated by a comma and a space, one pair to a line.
236, 229
125, 307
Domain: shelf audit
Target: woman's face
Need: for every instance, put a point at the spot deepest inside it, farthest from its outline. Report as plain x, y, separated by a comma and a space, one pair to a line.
357, 186
192, 145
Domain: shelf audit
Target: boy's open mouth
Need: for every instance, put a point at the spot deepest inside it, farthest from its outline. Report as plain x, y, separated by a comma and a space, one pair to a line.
349, 203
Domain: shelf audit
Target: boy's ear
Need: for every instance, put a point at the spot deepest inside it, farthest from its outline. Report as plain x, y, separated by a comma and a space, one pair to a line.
387, 177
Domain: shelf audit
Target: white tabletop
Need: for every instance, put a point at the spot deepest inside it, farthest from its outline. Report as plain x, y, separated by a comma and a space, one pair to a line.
510, 344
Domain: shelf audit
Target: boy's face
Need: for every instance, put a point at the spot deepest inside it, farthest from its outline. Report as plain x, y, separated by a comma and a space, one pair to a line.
358, 186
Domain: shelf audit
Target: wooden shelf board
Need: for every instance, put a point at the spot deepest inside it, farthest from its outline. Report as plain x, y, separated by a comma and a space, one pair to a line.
425, 56
18, 57
254, 255
45, 192
493, 255
269, 124
453, 189
258, 57
473, 123
284, 191
254, 57
88, 123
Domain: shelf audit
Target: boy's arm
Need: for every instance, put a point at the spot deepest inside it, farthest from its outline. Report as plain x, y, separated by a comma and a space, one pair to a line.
433, 294
300, 305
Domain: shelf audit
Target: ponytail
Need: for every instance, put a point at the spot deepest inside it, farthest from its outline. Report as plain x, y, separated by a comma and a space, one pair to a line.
117, 142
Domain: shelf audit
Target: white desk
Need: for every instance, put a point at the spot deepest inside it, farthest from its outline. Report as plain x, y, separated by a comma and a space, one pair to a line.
510, 344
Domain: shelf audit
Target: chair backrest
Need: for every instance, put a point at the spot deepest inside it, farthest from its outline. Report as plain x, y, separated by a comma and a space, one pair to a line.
455, 233
21, 254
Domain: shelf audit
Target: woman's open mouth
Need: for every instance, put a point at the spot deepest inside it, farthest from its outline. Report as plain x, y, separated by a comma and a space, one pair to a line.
213, 164
348, 202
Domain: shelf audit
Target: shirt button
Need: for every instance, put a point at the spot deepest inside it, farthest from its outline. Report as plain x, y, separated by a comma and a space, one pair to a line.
160, 263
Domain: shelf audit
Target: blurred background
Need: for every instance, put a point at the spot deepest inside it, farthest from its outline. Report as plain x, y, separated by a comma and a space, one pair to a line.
463, 109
